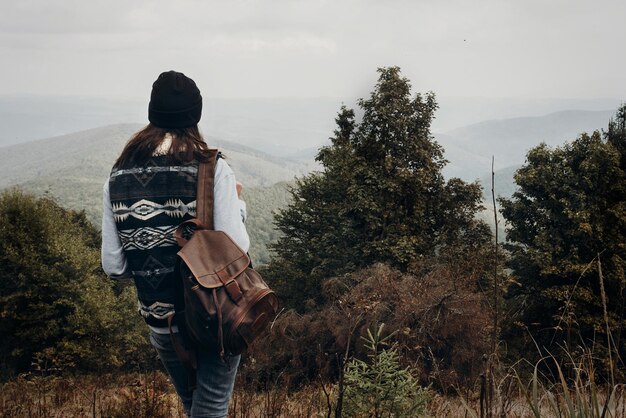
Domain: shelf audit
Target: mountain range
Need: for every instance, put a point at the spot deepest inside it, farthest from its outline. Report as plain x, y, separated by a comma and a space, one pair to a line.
470, 148
88, 156
278, 126
72, 168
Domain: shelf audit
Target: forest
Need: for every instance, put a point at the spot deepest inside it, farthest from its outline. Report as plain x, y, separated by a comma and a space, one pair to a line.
399, 299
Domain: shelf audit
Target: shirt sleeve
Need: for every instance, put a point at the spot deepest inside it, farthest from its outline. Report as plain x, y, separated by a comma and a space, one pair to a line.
113, 258
229, 212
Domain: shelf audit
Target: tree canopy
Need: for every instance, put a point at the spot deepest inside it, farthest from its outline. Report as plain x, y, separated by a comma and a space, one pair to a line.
566, 225
381, 197
55, 303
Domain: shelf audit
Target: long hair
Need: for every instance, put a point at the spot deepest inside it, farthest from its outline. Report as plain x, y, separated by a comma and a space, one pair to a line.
187, 145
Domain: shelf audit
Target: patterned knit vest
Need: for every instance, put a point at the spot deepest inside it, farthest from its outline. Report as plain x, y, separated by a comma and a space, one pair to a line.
148, 204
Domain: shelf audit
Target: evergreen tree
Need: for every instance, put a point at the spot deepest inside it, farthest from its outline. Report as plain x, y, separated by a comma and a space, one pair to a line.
381, 197
381, 387
567, 222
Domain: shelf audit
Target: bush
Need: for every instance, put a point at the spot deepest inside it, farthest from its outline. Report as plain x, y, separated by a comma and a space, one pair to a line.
56, 305
437, 315
381, 387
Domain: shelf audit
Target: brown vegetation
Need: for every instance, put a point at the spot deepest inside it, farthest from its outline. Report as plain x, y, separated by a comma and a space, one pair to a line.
439, 320
133, 395
151, 396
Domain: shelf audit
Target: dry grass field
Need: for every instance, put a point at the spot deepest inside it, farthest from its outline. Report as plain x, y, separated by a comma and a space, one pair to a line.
150, 395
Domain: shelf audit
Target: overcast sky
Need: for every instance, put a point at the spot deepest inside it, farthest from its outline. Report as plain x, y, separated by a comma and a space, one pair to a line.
313, 48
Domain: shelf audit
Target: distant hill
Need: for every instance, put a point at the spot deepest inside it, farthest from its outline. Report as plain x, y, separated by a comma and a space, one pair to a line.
262, 204
463, 163
504, 183
73, 168
307, 154
91, 153
470, 148
277, 126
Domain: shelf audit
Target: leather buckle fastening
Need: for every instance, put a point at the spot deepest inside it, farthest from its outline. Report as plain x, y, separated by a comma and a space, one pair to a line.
234, 291
231, 286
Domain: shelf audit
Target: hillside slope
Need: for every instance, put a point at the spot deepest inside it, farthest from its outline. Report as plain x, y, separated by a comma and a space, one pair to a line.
91, 153
72, 169
470, 148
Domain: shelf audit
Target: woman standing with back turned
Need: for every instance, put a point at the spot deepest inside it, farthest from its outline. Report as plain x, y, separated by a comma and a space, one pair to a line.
151, 190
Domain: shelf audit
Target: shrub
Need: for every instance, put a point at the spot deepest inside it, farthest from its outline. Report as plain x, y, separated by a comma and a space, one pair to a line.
437, 315
381, 387
56, 305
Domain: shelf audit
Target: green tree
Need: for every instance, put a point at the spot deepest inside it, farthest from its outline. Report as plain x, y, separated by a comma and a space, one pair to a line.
57, 309
380, 197
566, 221
381, 387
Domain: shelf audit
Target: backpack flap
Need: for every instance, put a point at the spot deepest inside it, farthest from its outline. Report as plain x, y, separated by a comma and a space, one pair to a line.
214, 259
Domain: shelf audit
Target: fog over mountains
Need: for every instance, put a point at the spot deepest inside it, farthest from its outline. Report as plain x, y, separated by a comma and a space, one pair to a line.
281, 127
72, 169
74, 166
470, 148
275, 126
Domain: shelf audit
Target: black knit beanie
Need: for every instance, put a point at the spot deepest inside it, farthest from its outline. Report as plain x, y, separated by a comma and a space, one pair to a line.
175, 101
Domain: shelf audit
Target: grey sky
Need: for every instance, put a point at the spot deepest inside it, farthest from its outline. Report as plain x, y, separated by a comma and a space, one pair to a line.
312, 48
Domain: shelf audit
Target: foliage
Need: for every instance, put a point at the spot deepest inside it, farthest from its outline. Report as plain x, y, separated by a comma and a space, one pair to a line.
103, 395
151, 394
381, 197
565, 394
438, 317
55, 303
381, 387
567, 224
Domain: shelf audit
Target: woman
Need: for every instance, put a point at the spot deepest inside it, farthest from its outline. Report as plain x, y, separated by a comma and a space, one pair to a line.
152, 189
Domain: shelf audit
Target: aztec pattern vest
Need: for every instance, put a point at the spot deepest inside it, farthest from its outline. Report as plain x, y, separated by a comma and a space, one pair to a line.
149, 202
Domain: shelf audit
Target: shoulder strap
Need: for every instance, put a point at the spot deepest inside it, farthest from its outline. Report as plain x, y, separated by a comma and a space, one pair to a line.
204, 195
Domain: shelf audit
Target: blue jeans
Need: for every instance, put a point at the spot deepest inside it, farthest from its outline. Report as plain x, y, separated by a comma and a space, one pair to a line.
215, 379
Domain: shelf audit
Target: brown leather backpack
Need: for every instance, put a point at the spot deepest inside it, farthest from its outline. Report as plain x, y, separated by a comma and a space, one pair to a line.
227, 303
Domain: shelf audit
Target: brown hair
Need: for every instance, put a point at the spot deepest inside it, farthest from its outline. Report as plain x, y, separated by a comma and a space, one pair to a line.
187, 145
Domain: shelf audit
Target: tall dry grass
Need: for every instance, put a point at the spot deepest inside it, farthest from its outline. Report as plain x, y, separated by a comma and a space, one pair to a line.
137, 395
151, 395
130, 395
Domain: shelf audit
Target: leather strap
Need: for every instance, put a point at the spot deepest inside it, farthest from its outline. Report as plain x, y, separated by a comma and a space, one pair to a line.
220, 330
204, 195
230, 285
203, 220
204, 199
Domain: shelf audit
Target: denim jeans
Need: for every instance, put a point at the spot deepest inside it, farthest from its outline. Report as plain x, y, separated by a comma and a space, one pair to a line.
215, 379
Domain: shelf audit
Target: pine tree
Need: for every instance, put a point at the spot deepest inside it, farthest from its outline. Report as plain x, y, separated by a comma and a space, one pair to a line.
381, 197
380, 387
